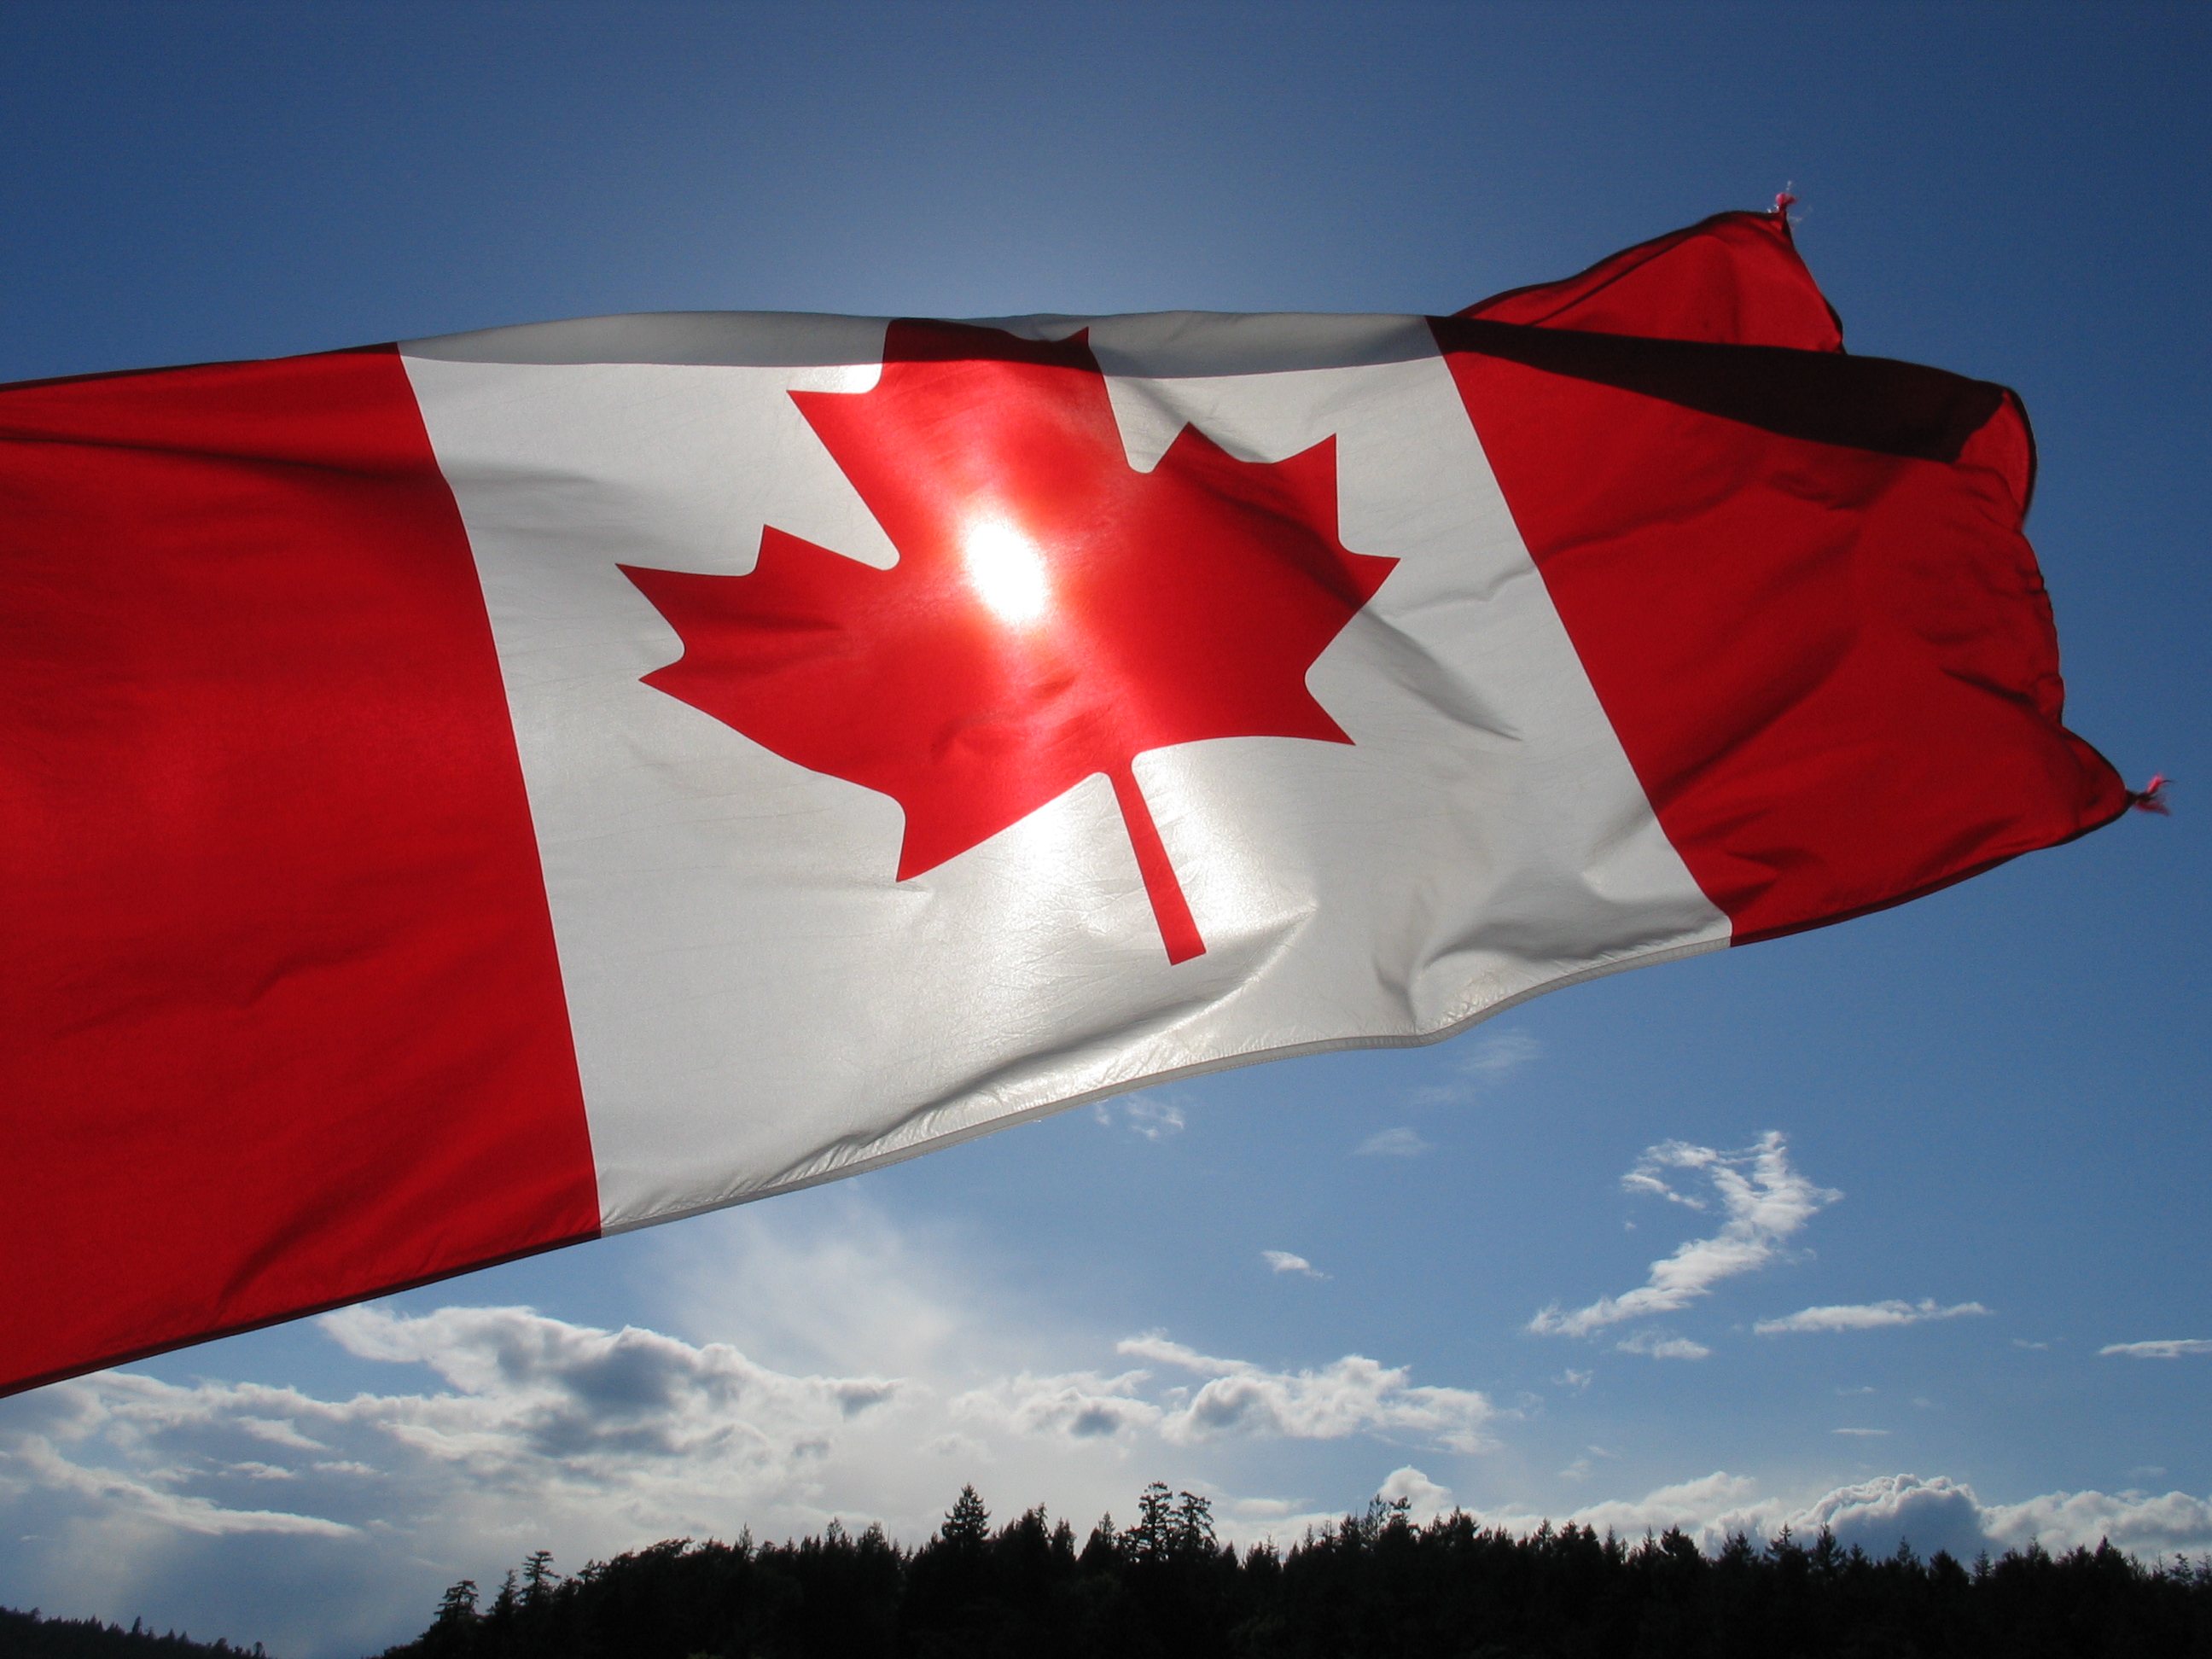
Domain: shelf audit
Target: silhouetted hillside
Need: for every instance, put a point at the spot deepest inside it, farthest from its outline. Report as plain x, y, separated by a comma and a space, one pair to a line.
27, 1636
1371, 1585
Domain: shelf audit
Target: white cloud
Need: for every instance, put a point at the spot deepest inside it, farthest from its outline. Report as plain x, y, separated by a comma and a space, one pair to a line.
1081, 1406
575, 1387
861, 1379
1659, 1346
1153, 1115
675, 1437
141, 1495
533, 1431
151, 1497
1496, 1054
1283, 1261
282, 1433
1582, 1468
1866, 1316
1690, 1506
1937, 1514
1765, 1202
1876, 1514
525, 1431
2169, 1348
1425, 1498
1487, 1060
2145, 1524
1352, 1395
1572, 1379
1393, 1143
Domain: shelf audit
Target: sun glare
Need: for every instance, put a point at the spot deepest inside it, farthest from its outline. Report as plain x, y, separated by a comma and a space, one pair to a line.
1006, 570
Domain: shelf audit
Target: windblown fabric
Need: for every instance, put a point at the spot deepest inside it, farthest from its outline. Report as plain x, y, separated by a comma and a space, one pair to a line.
461, 798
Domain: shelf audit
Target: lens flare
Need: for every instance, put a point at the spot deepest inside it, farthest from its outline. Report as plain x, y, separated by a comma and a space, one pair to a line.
1006, 571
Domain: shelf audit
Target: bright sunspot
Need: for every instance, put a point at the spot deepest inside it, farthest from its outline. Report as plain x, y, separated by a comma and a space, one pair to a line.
1007, 572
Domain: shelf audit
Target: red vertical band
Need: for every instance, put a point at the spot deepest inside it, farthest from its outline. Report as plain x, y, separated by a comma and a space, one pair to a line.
283, 1025
1734, 279
1798, 584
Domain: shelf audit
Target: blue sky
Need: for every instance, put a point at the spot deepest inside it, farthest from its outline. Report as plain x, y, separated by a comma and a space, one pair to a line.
1986, 1109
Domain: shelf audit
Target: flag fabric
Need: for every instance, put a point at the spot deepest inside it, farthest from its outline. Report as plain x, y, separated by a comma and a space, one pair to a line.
463, 797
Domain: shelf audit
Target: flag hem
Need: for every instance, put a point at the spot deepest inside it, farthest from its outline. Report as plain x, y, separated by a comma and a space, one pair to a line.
1759, 936
1182, 1074
128, 1356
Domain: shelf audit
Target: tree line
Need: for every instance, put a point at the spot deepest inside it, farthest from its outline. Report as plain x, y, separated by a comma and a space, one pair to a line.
32, 1636
1372, 1584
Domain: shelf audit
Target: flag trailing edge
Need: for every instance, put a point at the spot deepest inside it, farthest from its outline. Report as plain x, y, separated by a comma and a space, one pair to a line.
464, 798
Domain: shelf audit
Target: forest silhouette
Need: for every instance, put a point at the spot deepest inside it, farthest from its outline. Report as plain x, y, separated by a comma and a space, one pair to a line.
1372, 1584
32, 1636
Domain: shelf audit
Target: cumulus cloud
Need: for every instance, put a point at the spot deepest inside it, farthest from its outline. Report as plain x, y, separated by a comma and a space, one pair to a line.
334, 1521
1879, 1514
2145, 1524
535, 1431
1868, 1316
1393, 1143
2164, 1348
1487, 1061
1080, 1406
674, 1436
1352, 1395
1876, 1514
863, 1380
1425, 1499
1765, 1200
549, 1388
513, 1430
1283, 1261
1659, 1346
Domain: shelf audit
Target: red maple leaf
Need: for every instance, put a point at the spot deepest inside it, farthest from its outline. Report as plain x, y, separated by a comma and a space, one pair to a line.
1054, 612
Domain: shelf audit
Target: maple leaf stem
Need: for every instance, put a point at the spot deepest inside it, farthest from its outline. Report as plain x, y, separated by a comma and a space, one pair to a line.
1178, 932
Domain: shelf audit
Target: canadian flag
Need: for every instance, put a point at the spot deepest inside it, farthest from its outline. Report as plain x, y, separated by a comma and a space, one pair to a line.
465, 797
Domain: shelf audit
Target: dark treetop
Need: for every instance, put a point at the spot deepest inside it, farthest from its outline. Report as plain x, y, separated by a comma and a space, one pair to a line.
1374, 1584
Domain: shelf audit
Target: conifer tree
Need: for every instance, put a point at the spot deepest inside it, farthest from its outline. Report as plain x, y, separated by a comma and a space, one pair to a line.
967, 1524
